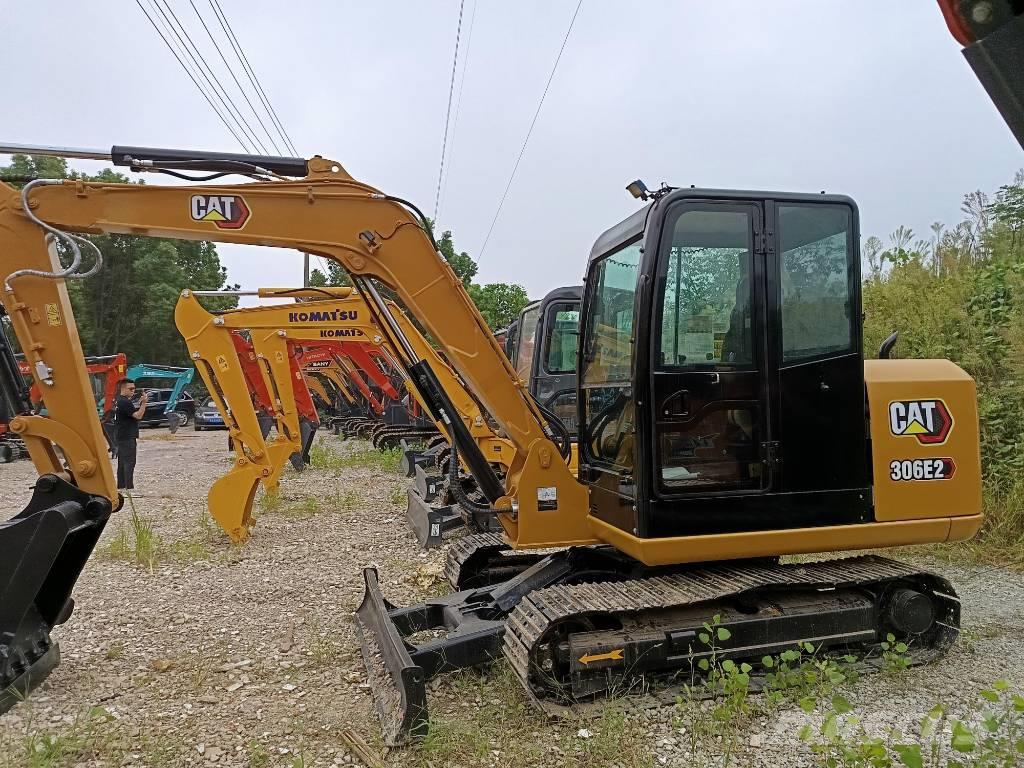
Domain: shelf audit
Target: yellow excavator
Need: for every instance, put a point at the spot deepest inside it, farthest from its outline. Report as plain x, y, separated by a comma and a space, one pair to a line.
700, 462
690, 451
326, 314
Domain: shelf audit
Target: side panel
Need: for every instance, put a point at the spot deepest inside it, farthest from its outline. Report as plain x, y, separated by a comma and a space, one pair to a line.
924, 439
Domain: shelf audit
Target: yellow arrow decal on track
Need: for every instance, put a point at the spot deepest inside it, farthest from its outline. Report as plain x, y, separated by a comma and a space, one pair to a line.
615, 655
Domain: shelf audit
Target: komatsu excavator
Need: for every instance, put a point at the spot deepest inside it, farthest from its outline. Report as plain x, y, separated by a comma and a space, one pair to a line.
345, 317
722, 422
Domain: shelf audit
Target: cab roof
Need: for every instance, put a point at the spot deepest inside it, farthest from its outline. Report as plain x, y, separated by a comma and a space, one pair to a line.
632, 226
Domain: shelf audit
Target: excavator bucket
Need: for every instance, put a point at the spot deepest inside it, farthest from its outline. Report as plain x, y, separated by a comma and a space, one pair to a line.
231, 497
230, 502
42, 552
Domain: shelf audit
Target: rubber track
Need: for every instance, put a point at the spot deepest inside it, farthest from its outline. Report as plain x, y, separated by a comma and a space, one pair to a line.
465, 547
537, 612
412, 433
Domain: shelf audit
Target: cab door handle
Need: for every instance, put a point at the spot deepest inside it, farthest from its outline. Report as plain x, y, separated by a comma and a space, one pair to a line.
677, 404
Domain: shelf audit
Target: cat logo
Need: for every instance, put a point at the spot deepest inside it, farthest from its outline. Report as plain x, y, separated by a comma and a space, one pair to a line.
927, 420
225, 211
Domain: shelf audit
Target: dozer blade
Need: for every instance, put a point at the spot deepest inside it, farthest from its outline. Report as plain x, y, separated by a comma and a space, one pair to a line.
428, 522
42, 552
396, 682
230, 501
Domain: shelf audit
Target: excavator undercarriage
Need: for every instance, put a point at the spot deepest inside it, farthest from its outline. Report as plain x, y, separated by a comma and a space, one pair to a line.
590, 622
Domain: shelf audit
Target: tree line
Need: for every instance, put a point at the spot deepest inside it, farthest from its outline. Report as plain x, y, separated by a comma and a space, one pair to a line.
958, 294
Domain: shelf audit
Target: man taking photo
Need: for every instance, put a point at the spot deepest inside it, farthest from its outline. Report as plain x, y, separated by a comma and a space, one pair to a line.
126, 422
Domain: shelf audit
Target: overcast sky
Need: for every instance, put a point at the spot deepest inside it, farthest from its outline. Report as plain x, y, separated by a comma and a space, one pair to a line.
871, 99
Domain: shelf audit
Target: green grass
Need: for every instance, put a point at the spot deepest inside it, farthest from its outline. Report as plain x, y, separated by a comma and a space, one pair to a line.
139, 543
505, 722
84, 739
310, 504
322, 645
323, 455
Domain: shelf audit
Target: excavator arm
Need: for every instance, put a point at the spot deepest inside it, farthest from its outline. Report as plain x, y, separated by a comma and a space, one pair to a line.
273, 328
46, 545
992, 34
377, 238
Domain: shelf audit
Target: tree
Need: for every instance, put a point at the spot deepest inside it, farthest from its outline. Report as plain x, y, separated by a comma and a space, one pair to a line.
129, 306
462, 264
336, 276
499, 303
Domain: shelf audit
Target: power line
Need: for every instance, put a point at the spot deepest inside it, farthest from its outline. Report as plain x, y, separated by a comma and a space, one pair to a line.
529, 132
458, 107
210, 78
191, 76
231, 71
237, 47
448, 113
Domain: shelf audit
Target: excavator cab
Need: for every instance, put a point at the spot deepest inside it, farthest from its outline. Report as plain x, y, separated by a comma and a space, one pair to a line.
545, 356
721, 360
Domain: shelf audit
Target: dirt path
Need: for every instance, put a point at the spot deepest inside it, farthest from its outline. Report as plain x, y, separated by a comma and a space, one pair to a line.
246, 656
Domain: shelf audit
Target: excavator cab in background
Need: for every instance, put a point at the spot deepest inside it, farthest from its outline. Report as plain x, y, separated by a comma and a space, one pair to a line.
510, 340
547, 334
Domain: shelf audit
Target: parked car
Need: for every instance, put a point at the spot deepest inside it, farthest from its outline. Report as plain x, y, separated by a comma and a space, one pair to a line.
157, 402
208, 417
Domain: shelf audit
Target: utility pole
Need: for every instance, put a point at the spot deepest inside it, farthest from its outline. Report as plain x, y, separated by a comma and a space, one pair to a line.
305, 270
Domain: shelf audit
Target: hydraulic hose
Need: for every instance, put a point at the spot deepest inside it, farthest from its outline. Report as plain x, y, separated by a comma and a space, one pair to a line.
458, 491
564, 437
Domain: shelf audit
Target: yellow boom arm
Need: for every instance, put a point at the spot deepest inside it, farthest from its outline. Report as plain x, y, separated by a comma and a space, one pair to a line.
374, 237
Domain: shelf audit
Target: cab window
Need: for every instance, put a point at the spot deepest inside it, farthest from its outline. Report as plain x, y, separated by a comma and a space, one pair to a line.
818, 275
526, 341
562, 338
609, 408
706, 304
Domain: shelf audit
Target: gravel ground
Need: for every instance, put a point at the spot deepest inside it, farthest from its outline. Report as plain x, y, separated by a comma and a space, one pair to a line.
246, 656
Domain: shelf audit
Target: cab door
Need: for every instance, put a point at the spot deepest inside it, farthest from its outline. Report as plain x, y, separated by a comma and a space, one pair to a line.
815, 347
711, 420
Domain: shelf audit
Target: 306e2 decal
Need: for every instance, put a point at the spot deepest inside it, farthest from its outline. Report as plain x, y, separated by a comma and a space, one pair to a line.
922, 469
929, 421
